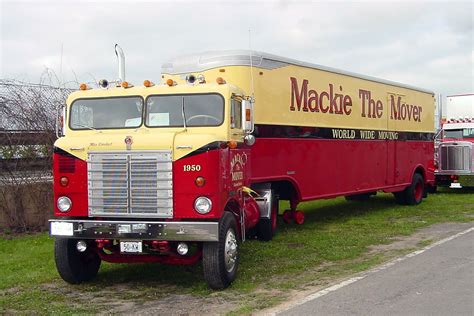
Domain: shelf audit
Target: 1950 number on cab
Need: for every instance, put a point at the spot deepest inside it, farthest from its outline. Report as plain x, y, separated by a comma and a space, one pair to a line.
192, 168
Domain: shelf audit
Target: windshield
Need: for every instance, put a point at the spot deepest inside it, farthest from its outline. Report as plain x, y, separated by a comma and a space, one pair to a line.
103, 113
199, 110
459, 133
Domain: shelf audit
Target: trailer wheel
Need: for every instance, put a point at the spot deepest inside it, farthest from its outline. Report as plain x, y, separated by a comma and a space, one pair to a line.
266, 227
432, 189
73, 266
220, 259
400, 197
413, 194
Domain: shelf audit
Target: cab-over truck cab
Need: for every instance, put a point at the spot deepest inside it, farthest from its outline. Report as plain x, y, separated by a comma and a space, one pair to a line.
156, 173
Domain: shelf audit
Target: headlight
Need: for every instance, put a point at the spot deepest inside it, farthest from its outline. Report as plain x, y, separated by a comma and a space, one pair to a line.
64, 204
202, 205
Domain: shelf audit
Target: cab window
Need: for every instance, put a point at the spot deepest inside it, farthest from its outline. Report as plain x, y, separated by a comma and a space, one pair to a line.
106, 113
198, 110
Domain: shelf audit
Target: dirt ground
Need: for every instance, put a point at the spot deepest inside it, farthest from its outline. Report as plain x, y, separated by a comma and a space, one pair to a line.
223, 302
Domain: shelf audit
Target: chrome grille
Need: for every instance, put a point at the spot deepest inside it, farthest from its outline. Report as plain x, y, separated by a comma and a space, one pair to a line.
138, 184
455, 156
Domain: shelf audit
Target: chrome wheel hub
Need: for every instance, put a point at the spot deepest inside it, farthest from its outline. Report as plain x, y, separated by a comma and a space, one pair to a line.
230, 249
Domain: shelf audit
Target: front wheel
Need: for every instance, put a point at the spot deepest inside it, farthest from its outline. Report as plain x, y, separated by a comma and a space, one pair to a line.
73, 266
220, 259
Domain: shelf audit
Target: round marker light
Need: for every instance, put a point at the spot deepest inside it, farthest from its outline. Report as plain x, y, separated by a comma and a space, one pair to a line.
182, 248
148, 83
170, 82
81, 246
220, 80
64, 204
125, 84
83, 86
202, 205
232, 144
201, 79
200, 181
64, 181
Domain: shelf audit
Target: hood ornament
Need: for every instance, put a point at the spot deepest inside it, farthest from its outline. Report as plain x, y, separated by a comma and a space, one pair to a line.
128, 142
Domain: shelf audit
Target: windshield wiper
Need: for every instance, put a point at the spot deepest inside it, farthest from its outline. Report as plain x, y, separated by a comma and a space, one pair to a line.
182, 113
85, 126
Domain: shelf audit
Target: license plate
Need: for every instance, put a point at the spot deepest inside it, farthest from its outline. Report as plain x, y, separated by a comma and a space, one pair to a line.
131, 246
61, 229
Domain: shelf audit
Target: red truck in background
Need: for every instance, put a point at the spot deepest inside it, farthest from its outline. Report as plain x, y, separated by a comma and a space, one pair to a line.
455, 150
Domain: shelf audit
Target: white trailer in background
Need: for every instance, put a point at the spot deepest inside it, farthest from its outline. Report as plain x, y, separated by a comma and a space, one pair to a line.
455, 153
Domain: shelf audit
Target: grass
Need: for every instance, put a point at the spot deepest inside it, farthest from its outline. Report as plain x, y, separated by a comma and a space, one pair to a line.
334, 242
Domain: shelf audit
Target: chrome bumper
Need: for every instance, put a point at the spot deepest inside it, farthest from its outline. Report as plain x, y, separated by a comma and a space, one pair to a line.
171, 231
466, 180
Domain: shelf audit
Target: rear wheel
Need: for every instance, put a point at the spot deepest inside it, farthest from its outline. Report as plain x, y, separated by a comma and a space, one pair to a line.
413, 194
220, 259
73, 266
432, 189
266, 227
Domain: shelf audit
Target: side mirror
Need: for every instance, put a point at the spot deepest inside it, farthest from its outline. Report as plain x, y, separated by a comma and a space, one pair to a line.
249, 139
247, 116
60, 117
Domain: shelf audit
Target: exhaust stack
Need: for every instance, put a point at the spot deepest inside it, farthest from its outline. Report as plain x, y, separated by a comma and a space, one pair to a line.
121, 63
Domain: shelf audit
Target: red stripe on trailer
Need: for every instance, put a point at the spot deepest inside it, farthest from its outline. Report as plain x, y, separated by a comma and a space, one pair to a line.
322, 168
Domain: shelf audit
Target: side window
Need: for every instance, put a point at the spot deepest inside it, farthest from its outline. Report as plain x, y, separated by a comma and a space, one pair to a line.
236, 114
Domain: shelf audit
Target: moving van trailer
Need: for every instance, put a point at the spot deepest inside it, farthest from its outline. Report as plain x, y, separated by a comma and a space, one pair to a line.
182, 171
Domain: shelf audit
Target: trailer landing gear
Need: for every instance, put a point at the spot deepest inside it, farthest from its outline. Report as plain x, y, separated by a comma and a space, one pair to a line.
293, 213
297, 216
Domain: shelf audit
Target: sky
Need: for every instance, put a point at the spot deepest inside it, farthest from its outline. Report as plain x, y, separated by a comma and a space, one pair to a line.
425, 44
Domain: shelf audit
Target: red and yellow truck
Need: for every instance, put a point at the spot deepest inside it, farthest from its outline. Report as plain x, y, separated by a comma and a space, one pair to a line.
184, 170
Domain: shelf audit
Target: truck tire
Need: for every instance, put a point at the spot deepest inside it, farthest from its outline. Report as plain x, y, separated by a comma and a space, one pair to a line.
73, 266
266, 227
400, 197
220, 259
432, 189
413, 194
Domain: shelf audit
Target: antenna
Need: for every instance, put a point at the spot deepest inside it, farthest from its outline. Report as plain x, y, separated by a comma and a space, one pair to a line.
251, 64
61, 66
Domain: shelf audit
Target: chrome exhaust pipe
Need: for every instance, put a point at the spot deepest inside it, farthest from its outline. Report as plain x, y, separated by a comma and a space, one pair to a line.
121, 63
